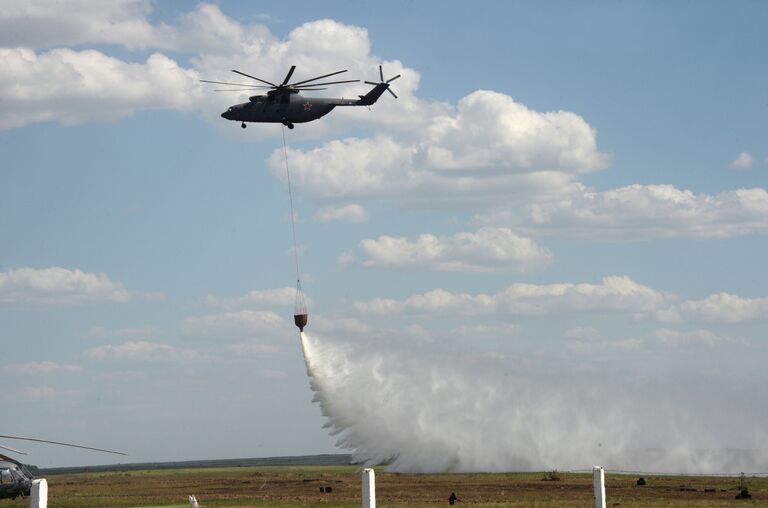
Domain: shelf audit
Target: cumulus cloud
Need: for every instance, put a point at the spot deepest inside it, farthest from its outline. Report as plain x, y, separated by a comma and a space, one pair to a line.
141, 350
488, 249
346, 213
717, 308
461, 162
73, 87
41, 80
639, 212
43, 24
613, 294
743, 161
58, 286
277, 296
236, 323
491, 131
42, 368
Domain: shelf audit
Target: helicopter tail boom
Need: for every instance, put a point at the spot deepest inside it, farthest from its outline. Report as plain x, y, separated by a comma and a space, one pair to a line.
372, 96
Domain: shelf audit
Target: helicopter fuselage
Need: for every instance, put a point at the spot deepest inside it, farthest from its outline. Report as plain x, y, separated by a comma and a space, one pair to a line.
292, 108
15, 479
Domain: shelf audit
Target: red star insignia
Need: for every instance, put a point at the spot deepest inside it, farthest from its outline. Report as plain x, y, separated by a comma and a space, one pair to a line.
307, 106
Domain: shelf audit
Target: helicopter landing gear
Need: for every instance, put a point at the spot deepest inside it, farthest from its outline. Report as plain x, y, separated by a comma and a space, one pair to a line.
287, 123
243, 125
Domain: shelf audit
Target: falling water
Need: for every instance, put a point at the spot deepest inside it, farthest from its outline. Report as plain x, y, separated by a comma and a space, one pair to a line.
422, 410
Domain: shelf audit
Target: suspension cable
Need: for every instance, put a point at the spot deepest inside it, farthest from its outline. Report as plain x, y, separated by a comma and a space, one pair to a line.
293, 221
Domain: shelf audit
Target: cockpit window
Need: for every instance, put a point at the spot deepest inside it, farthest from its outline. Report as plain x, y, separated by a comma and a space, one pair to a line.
5, 476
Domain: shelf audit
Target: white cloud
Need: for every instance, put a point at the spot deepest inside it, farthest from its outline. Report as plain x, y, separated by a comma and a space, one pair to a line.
488, 249
141, 350
694, 337
346, 259
613, 294
277, 296
42, 368
490, 131
717, 308
346, 213
639, 212
743, 161
237, 323
458, 160
58, 286
43, 23
73, 87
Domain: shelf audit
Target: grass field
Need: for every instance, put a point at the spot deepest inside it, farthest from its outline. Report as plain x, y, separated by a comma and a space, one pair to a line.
300, 486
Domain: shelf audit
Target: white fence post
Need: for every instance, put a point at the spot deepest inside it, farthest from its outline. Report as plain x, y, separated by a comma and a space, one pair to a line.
369, 488
598, 478
39, 494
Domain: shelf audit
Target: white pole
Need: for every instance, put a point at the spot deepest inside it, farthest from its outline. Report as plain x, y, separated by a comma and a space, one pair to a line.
39, 495
598, 478
369, 488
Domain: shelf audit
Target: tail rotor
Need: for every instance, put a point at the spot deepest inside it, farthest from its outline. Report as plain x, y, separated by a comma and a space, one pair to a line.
384, 82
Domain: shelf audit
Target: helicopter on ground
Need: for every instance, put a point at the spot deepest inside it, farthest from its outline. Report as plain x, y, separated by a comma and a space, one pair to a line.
282, 103
16, 478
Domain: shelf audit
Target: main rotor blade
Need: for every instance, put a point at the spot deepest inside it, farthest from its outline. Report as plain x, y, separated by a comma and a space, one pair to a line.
13, 450
381, 73
328, 83
319, 77
253, 77
233, 84
288, 76
236, 89
62, 444
392, 79
393, 93
371, 83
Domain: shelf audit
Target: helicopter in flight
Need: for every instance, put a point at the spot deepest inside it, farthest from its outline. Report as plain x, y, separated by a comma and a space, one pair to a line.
16, 478
282, 103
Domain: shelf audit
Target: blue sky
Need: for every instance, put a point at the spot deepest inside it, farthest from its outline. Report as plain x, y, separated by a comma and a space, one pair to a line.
581, 185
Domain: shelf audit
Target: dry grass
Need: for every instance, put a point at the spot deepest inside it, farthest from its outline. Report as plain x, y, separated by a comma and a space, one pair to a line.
293, 487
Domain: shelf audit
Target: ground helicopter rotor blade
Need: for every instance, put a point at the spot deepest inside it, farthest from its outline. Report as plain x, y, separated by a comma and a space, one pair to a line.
392, 79
288, 76
12, 450
393, 93
62, 444
254, 77
315, 79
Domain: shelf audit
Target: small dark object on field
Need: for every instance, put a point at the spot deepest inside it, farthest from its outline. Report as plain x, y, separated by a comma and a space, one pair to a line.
640, 481
551, 476
744, 494
329, 489
322, 489
452, 498
710, 490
